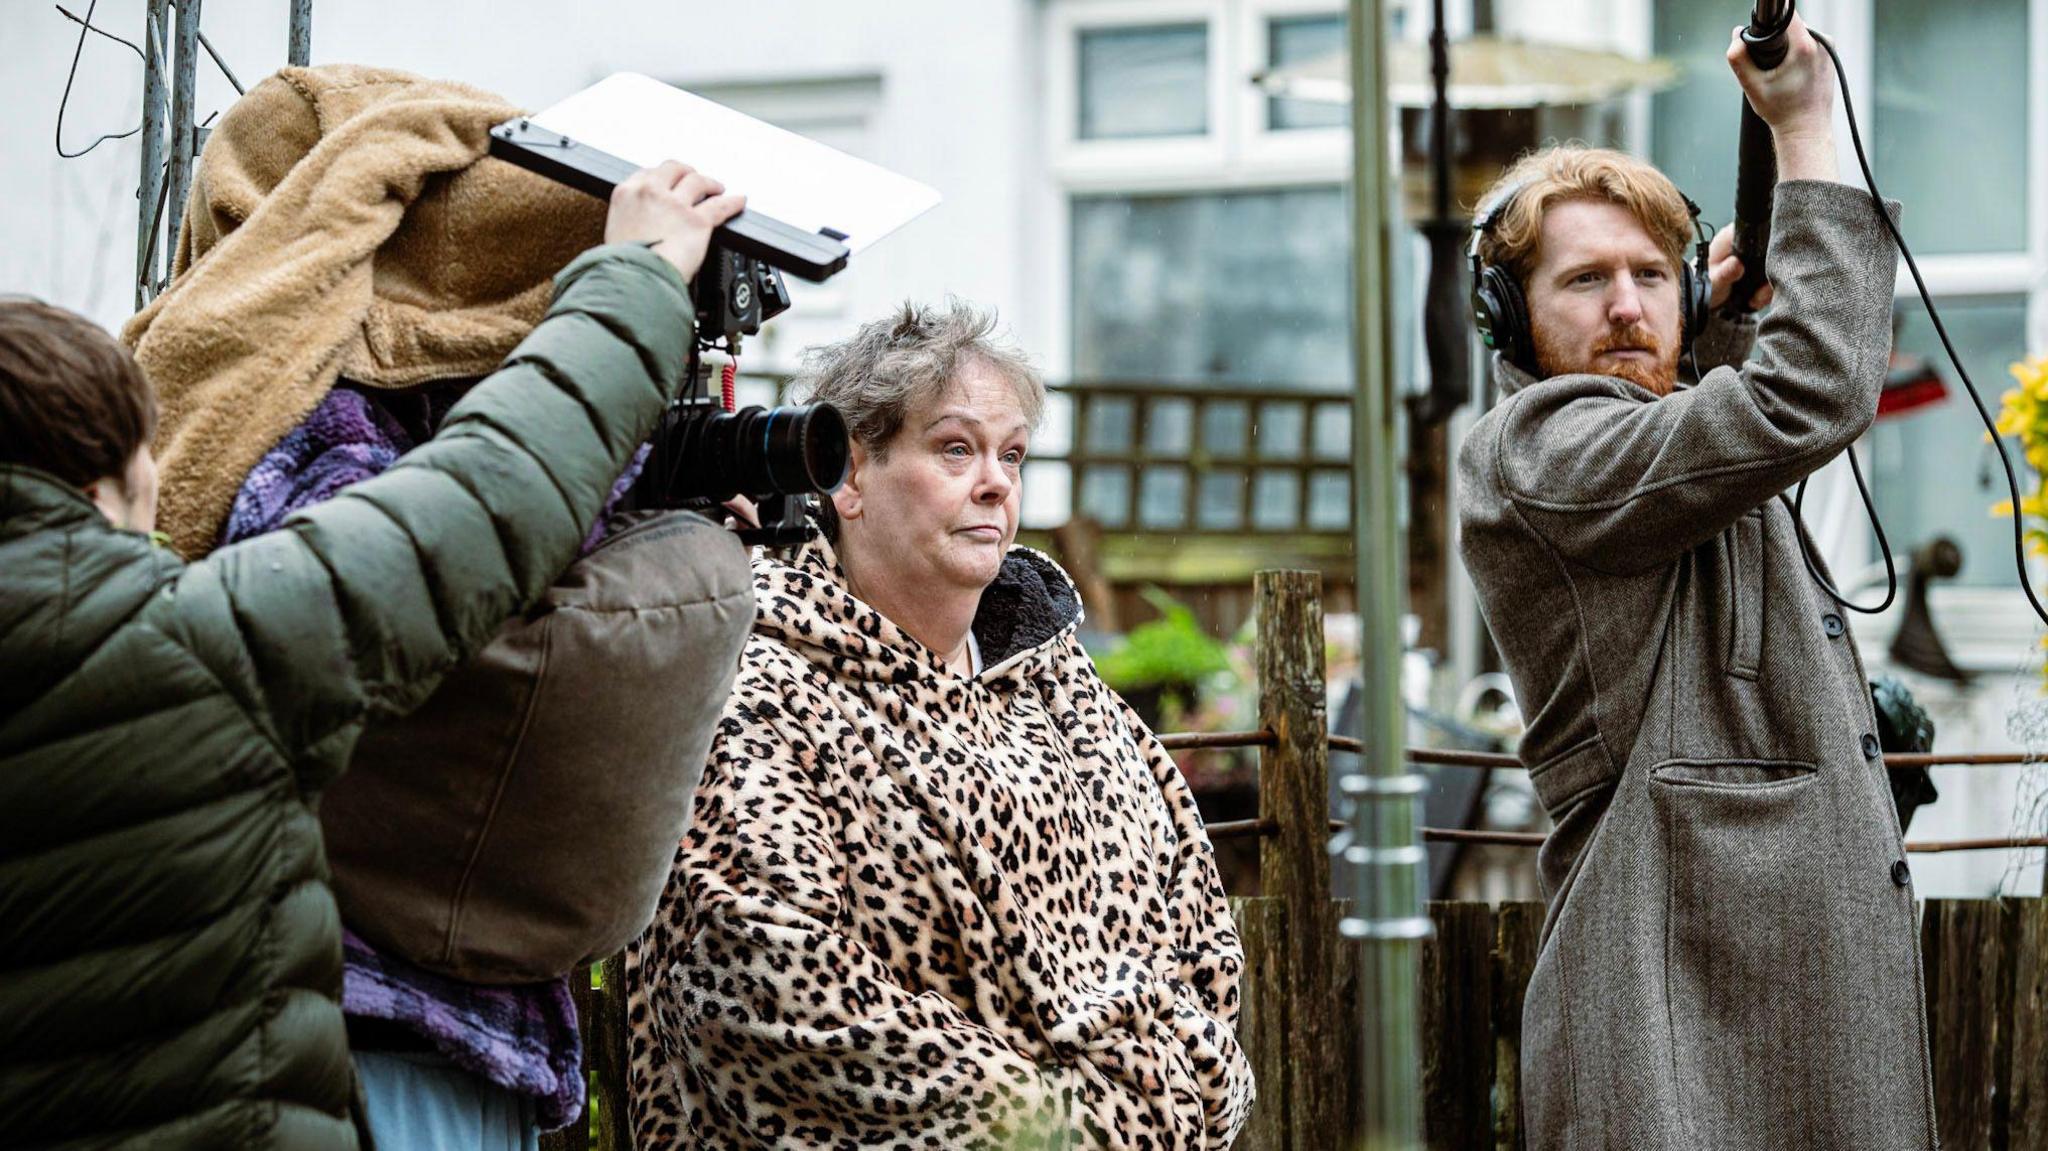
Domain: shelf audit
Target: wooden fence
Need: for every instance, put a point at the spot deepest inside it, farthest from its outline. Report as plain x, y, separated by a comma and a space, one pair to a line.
1986, 965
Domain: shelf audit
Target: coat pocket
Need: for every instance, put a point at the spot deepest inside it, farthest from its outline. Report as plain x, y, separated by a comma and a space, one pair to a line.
1746, 594
1745, 896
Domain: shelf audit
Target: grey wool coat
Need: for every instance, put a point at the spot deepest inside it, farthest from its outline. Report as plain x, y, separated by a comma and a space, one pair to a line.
1730, 959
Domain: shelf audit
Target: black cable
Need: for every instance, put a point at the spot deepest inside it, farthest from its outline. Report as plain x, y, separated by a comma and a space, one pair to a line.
85, 26
2012, 483
1891, 571
1798, 503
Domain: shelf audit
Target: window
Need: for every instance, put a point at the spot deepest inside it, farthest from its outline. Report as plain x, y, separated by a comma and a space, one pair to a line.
1205, 272
1146, 81
1229, 287
1693, 124
1948, 128
1297, 40
1931, 471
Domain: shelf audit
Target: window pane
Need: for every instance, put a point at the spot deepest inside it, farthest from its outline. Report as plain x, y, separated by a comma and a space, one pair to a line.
1231, 288
1932, 473
1163, 498
1298, 40
1109, 425
1106, 495
1329, 501
1055, 433
1332, 432
1150, 81
1221, 506
1279, 431
1169, 427
1224, 425
1694, 123
1048, 494
1950, 125
1276, 501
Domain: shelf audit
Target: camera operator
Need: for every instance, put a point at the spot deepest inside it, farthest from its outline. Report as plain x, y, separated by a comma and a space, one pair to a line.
351, 261
1730, 958
172, 942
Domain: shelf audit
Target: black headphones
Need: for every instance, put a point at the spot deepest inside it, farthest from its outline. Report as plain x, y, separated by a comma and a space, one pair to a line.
1502, 312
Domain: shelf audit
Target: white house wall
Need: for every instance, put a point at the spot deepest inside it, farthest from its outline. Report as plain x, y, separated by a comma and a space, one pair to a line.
942, 92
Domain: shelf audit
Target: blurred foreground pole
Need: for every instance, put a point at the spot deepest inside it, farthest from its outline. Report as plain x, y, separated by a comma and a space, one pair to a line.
1388, 922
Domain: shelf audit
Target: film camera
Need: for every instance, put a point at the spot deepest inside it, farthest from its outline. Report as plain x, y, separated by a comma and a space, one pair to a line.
703, 455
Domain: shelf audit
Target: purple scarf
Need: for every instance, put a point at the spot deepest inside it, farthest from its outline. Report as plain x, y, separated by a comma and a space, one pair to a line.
523, 1038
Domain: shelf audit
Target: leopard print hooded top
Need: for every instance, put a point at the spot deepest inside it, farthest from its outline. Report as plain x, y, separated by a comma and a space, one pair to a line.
918, 910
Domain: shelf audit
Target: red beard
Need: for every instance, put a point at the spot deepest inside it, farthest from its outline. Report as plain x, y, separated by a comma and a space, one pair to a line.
1658, 377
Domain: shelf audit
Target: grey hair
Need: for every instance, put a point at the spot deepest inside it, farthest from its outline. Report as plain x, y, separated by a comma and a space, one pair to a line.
891, 366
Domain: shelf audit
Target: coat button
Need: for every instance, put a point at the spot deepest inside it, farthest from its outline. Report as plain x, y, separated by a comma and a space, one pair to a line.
1833, 625
1901, 874
1871, 748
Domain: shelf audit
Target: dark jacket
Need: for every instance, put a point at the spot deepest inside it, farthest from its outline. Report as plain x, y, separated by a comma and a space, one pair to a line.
1730, 960
169, 941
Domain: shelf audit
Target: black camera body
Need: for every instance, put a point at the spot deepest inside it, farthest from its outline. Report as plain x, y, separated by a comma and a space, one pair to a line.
735, 295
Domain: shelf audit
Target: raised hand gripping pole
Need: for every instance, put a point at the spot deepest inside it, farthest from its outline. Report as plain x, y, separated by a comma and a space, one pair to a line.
1756, 171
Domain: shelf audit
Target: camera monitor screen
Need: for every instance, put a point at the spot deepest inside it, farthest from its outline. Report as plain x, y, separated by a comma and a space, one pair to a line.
797, 181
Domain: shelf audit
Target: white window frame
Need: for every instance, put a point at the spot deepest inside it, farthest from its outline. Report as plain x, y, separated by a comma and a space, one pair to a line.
1115, 161
1221, 162
1314, 150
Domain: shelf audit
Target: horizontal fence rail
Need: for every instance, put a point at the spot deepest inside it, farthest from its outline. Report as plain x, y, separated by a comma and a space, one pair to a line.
1438, 757
1446, 757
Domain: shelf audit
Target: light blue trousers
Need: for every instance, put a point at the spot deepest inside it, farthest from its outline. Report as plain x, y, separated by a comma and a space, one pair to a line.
425, 1103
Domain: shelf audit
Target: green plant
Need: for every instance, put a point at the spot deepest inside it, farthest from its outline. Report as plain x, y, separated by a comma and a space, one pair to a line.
1171, 652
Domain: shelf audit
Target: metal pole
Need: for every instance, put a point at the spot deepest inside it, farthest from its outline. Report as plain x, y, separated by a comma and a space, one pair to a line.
1384, 797
184, 82
300, 50
151, 184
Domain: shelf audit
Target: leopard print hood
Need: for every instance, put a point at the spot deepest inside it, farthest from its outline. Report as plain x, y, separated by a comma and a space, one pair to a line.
1026, 613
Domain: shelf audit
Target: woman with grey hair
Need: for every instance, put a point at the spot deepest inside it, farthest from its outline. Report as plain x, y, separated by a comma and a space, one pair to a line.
942, 887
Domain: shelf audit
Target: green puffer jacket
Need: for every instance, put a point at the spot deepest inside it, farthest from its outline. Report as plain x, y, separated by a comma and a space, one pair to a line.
170, 952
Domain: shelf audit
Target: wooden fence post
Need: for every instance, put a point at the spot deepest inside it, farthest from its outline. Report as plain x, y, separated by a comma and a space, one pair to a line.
601, 1014
1455, 1011
1962, 956
2026, 1049
1294, 863
1519, 934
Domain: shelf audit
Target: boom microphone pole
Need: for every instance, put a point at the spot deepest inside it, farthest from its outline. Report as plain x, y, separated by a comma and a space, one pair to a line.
1446, 322
1756, 171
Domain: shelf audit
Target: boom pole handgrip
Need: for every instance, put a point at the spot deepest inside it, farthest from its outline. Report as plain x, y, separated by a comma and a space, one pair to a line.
1756, 171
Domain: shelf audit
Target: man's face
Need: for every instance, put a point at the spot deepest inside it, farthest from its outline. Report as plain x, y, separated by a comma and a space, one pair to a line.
1603, 298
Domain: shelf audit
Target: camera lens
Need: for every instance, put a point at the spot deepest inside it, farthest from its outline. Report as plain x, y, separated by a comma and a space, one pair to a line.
805, 448
704, 453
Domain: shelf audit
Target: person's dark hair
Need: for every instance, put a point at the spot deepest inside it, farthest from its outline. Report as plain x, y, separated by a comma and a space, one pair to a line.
73, 402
